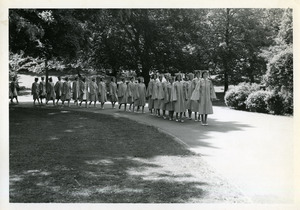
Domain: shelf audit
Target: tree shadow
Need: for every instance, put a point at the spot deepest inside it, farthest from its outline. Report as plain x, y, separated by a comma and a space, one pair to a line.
194, 134
81, 157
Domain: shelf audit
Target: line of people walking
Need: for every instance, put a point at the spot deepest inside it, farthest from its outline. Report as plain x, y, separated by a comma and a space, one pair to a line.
169, 97
174, 95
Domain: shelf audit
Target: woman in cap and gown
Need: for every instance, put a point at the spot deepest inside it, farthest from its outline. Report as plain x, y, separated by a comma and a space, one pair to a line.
66, 91
122, 94
50, 91
142, 94
179, 97
150, 91
84, 91
189, 86
113, 92
102, 92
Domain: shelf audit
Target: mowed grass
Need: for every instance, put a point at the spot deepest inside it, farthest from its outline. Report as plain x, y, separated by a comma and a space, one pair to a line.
68, 156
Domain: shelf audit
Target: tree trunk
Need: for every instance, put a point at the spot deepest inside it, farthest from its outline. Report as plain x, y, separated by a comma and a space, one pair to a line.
225, 81
227, 53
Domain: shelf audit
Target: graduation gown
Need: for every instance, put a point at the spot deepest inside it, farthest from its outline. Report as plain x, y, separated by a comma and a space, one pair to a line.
135, 94
122, 93
189, 87
163, 100
194, 98
66, 91
130, 90
206, 94
169, 96
149, 94
13, 88
113, 92
158, 94
179, 97
42, 87
58, 89
50, 91
142, 94
102, 92
84, 91
35, 90
75, 89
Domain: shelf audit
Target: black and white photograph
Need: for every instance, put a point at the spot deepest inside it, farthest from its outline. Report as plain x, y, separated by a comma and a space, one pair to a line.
149, 105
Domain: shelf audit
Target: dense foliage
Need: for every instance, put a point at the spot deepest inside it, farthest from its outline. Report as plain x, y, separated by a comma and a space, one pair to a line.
226, 41
256, 101
279, 75
236, 96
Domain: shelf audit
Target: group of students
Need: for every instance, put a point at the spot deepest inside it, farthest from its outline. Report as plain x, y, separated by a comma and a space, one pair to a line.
174, 95
168, 96
81, 90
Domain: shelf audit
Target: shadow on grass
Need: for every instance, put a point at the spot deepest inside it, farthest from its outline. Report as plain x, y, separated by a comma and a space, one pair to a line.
65, 156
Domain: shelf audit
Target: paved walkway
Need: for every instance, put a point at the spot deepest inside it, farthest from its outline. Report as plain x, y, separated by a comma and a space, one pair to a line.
253, 151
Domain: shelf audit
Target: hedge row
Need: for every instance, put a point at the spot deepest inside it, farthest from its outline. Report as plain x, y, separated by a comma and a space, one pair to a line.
249, 97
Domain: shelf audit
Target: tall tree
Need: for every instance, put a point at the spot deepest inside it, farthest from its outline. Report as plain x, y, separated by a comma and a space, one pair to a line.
47, 33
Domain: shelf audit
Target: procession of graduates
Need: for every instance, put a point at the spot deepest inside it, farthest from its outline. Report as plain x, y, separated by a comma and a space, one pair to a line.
169, 97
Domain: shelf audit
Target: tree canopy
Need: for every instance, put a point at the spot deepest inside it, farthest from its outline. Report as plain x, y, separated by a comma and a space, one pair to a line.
235, 44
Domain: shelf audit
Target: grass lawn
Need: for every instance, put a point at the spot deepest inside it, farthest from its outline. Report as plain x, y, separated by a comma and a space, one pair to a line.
62, 156
67, 157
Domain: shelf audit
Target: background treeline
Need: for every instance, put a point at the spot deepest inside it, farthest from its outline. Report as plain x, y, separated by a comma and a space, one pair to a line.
237, 45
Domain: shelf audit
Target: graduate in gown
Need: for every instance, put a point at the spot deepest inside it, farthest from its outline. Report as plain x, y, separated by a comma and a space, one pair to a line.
50, 91
122, 94
160, 95
113, 92
13, 88
102, 92
189, 85
42, 88
84, 91
149, 92
93, 92
207, 94
66, 92
35, 91
135, 96
75, 90
165, 90
169, 97
154, 95
130, 89
179, 97
195, 103
58, 89
142, 94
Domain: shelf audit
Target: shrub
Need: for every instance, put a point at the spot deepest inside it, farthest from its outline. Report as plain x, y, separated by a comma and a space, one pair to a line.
256, 101
274, 103
280, 102
287, 97
236, 96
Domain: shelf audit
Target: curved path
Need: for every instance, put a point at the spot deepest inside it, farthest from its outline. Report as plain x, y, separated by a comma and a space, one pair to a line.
252, 151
